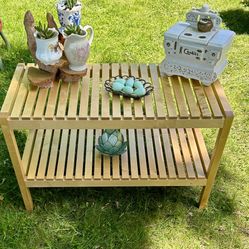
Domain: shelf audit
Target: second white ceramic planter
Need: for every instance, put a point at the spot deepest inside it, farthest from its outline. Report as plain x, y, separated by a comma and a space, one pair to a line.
77, 49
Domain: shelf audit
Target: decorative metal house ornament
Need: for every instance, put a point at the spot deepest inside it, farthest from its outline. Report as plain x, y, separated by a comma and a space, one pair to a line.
197, 48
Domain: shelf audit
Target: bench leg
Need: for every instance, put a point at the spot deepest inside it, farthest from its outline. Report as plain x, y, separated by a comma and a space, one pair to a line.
17, 164
215, 160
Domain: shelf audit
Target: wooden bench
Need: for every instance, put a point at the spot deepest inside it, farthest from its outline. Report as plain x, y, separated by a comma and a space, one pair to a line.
165, 143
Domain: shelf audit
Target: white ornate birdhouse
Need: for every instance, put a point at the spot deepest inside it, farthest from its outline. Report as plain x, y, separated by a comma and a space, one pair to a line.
197, 48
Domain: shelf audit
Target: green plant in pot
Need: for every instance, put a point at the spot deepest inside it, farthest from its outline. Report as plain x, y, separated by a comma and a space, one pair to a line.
47, 44
44, 32
70, 4
77, 46
111, 142
74, 29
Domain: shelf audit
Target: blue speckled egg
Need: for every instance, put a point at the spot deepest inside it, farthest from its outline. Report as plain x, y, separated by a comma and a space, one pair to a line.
127, 90
121, 81
138, 84
129, 82
140, 92
117, 86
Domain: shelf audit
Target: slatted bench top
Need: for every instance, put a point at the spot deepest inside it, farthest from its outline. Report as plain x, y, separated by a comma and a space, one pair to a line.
175, 102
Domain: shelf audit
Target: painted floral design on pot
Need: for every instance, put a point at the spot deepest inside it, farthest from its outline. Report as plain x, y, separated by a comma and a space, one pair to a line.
47, 50
68, 16
77, 49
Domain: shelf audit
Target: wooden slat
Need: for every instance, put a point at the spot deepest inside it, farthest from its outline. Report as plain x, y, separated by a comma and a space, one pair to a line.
159, 154
186, 154
200, 95
73, 100
63, 101
44, 155
138, 107
133, 154
195, 154
202, 149
71, 154
116, 111
150, 154
125, 160
28, 150
62, 155
177, 154
115, 167
30, 102
106, 167
117, 183
84, 99
222, 99
40, 103
213, 102
35, 155
80, 155
148, 100
136, 124
167, 91
97, 158
159, 100
126, 101
52, 100
53, 154
13, 88
192, 104
141, 154
21, 97
168, 154
181, 104
105, 98
89, 155
94, 111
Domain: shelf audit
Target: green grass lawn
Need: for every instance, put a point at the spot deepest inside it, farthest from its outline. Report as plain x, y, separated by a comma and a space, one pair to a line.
132, 218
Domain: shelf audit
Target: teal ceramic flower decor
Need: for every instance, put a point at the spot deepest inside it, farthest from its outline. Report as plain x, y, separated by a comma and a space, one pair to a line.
111, 142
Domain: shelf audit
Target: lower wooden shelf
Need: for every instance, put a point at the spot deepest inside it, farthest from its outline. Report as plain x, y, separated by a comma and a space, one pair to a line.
155, 157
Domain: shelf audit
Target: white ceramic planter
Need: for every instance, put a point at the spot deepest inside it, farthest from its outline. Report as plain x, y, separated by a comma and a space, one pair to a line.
77, 49
68, 17
47, 50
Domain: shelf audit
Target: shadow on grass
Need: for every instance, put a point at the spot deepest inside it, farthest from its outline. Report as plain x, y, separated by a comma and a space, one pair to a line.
236, 20
109, 215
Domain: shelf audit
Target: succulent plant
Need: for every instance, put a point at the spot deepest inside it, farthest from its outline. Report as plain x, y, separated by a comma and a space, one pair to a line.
44, 32
70, 3
74, 29
111, 143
